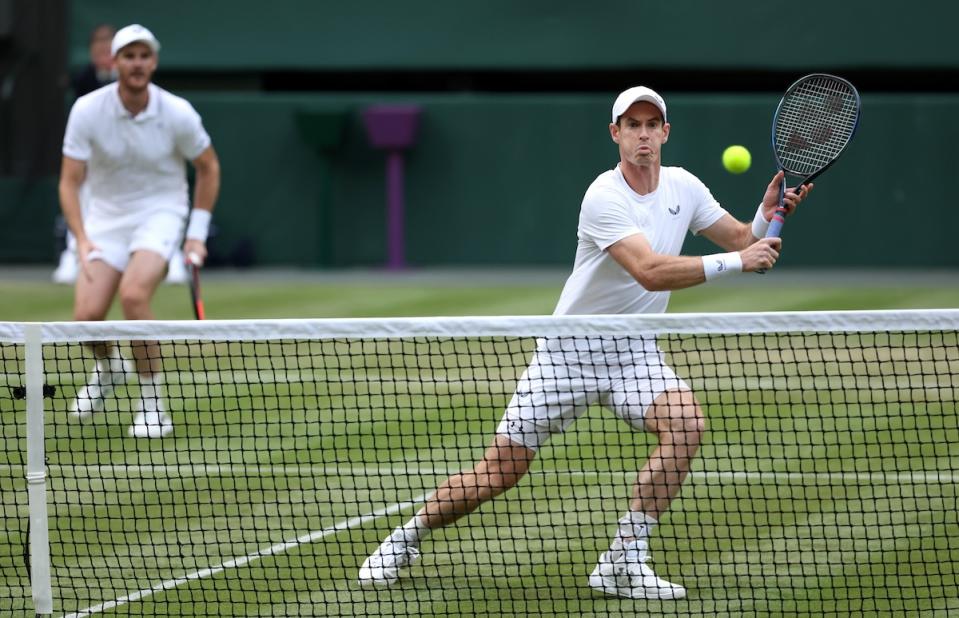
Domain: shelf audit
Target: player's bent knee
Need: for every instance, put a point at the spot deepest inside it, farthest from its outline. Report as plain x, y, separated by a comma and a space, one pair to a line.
135, 301
90, 312
692, 420
687, 429
679, 416
87, 315
503, 466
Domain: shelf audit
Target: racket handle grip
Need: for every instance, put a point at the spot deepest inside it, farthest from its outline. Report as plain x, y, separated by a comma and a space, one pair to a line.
775, 229
776, 225
779, 217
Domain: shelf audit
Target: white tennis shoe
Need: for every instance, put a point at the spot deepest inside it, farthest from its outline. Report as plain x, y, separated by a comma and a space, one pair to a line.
91, 397
383, 566
151, 420
625, 573
176, 269
67, 268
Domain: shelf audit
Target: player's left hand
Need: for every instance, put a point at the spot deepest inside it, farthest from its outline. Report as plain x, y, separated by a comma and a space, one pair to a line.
191, 248
790, 201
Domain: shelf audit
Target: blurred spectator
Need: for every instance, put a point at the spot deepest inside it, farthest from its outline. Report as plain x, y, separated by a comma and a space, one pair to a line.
100, 71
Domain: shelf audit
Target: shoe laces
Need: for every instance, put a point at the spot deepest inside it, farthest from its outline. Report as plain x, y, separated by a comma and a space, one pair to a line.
636, 552
395, 553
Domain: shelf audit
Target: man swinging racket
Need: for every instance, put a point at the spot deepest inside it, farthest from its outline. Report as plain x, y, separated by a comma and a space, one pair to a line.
631, 229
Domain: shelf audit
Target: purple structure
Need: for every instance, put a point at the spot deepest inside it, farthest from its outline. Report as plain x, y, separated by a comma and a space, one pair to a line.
393, 128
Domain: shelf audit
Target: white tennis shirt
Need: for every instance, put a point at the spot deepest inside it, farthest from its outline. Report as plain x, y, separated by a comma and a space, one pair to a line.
612, 211
136, 163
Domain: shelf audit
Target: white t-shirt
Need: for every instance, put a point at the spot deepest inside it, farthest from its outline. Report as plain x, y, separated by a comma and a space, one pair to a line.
612, 211
134, 164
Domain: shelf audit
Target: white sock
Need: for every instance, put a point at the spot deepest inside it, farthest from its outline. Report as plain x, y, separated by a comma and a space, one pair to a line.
112, 367
634, 525
411, 533
150, 386
111, 362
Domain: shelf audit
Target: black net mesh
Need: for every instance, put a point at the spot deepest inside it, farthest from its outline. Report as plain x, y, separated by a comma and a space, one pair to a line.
14, 519
824, 484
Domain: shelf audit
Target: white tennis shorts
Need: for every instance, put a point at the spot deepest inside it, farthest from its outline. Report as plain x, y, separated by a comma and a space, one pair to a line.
566, 376
159, 231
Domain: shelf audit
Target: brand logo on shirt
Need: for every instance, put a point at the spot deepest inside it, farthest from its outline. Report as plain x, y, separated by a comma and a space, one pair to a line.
673, 212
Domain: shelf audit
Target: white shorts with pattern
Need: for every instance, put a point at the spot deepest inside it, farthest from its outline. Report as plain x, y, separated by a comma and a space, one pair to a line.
566, 376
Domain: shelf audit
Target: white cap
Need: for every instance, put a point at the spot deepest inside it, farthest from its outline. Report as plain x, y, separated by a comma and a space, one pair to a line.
133, 34
637, 93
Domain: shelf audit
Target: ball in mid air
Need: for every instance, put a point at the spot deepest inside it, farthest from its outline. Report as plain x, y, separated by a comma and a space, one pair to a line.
736, 159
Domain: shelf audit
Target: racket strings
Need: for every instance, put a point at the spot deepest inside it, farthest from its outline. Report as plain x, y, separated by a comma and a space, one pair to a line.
814, 123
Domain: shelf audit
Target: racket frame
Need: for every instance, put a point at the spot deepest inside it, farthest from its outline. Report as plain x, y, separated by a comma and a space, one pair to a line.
775, 226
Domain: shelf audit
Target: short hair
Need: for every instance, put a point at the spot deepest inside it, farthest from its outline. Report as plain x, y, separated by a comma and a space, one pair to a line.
102, 31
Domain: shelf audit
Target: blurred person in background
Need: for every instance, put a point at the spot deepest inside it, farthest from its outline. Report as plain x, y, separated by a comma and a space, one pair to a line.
129, 142
99, 72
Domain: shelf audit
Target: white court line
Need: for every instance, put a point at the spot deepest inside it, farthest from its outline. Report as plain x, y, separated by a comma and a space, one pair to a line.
101, 472
273, 550
279, 548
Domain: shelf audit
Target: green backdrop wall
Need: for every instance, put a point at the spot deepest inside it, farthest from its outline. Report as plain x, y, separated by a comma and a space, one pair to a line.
539, 34
499, 179
496, 178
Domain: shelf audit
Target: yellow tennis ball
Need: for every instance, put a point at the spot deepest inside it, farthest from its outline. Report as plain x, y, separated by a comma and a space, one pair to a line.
736, 159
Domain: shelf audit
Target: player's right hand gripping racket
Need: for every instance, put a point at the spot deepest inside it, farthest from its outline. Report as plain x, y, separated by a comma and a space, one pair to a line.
193, 267
814, 123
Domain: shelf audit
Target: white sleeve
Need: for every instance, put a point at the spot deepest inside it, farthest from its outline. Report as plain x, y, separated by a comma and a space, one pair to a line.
708, 210
604, 219
191, 138
76, 137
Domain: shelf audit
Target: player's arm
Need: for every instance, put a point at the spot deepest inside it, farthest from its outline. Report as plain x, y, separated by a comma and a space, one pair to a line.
654, 271
657, 272
72, 174
734, 235
206, 190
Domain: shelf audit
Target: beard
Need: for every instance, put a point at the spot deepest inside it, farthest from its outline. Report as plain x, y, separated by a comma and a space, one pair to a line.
135, 84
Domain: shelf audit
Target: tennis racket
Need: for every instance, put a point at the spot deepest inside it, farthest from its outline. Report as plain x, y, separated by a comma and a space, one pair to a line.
193, 267
815, 121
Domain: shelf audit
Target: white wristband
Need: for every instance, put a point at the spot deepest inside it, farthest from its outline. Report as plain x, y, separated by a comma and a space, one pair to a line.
199, 225
760, 225
722, 264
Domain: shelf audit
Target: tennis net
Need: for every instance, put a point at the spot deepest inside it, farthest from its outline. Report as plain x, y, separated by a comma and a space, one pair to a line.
825, 484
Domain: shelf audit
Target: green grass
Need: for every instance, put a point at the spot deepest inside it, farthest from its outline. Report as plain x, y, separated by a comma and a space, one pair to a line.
808, 501
266, 295
837, 508
36, 301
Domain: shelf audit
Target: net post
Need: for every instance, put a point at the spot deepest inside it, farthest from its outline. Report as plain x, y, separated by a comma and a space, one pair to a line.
36, 473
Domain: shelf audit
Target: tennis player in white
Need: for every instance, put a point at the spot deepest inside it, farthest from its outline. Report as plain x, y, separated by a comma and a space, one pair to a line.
131, 141
631, 229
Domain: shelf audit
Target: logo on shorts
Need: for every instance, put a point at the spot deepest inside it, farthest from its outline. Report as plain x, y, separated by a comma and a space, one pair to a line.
673, 212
